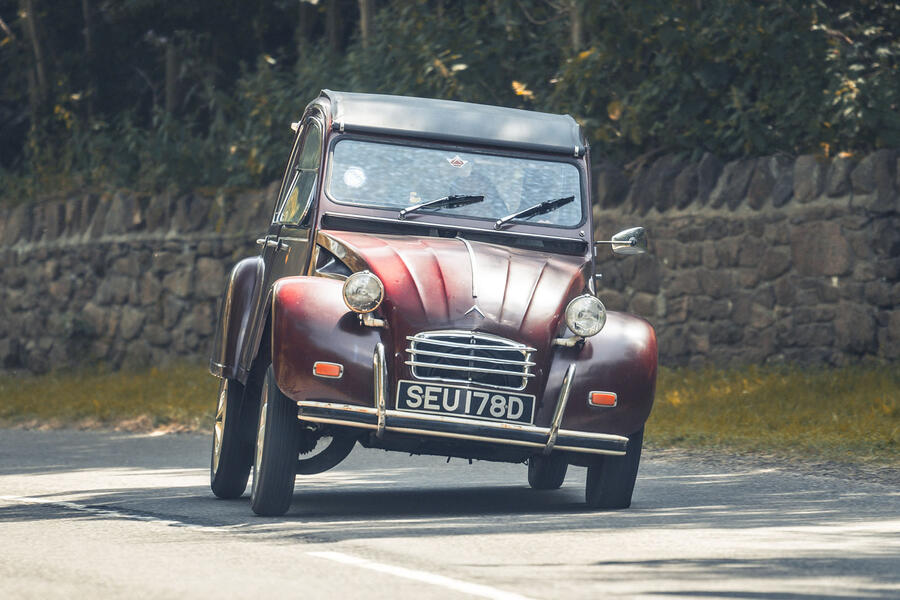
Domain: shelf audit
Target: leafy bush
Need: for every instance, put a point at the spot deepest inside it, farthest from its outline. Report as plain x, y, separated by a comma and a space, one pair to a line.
734, 78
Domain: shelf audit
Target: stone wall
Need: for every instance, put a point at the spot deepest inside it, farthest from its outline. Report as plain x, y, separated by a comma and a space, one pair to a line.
761, 260
124, 280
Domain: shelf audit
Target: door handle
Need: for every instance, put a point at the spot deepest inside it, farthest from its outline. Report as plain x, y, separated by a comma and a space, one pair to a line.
272, 243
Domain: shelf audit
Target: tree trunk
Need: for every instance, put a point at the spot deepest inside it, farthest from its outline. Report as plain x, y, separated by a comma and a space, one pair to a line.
576, 22
89, 57
366, 21
171, 77
333, 25
40, 66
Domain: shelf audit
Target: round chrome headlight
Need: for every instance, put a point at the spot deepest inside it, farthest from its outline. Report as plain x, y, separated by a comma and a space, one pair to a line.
585, 315
363, 292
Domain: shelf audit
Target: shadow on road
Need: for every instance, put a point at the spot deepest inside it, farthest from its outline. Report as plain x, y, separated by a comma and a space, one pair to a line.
378, 496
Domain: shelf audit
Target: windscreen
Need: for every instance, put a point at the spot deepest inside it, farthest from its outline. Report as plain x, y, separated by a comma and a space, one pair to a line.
383, 175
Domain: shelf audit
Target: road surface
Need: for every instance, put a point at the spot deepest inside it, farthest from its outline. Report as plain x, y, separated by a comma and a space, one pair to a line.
89, 514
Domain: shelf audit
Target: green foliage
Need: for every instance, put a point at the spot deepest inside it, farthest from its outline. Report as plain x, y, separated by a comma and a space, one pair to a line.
734, 78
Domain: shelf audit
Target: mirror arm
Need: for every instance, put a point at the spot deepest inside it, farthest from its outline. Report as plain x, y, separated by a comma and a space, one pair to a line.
631, 242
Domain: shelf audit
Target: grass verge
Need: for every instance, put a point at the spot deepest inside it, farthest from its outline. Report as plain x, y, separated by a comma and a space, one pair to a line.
841, 414
848, 414
177, 398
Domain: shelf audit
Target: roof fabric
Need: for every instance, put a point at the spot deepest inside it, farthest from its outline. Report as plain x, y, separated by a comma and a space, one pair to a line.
455, 122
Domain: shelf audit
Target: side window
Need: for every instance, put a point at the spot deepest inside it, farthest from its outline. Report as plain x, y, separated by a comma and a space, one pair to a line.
304, 172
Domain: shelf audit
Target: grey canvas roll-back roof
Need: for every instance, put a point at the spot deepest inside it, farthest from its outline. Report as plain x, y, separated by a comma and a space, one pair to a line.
452, 121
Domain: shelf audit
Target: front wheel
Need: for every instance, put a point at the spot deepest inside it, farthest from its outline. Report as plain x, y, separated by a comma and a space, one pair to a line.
610, 480
277, 448
547, 472
232, 455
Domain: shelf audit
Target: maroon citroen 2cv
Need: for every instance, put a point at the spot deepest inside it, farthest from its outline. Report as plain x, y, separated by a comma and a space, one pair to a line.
427, 286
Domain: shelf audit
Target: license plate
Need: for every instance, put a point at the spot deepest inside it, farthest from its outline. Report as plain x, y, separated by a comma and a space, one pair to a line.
462, 401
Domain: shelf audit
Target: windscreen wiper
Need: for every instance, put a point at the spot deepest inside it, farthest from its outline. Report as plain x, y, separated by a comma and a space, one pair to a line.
451, 201
532, 211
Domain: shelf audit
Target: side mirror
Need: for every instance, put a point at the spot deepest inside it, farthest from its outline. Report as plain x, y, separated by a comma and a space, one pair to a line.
628, 241
295, 126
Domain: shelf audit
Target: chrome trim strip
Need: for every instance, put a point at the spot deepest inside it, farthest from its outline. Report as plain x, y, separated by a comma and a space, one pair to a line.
463, 436
564, 391
379, 365
430, 335
352, 408
413, 363
590, 451
336, 406
474, 267
467, 357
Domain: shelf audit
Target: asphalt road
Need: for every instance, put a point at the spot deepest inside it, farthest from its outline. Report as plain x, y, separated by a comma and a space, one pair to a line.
86, 514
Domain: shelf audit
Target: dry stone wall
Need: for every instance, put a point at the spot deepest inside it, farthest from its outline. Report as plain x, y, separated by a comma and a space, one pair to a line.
122, 279
760, 260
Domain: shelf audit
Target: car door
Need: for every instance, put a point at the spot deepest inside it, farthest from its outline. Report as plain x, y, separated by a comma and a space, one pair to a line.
293, 216
285, 246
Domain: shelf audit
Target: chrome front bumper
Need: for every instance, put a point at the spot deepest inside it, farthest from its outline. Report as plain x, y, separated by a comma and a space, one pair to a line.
381, 419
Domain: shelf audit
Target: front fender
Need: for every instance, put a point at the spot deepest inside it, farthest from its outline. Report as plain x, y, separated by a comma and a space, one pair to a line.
232, 353
622, 358
311, 323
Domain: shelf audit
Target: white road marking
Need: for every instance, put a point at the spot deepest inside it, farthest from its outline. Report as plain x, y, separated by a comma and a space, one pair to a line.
473, 589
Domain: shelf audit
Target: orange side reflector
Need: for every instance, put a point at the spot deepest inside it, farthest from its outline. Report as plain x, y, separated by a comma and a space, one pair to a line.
327, 369
603, 398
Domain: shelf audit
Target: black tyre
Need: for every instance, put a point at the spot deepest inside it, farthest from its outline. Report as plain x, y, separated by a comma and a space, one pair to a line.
232, 455
610, 480
277, 449
547, 472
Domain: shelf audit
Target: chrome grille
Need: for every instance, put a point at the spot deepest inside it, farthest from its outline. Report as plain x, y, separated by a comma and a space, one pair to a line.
470, 357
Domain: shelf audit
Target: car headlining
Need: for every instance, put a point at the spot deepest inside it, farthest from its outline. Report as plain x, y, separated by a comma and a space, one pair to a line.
426, 285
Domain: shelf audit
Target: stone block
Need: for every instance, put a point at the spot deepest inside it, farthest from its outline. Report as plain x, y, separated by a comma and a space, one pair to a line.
610, 184
854, 328
19, 224
762, 182
131, 323
646, 274
686, 186
731, 189
881, 293
893, 327
775, 262
173, 308
60, 289
684, 283
820, 249
643, 304
179, 282
751, 252
725, 333
661, 182
708, 171
837, 181
874, 179
809, 178
157, 335
114, 289
710, 255
127, 265
209, 278
96, 218
150, 288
